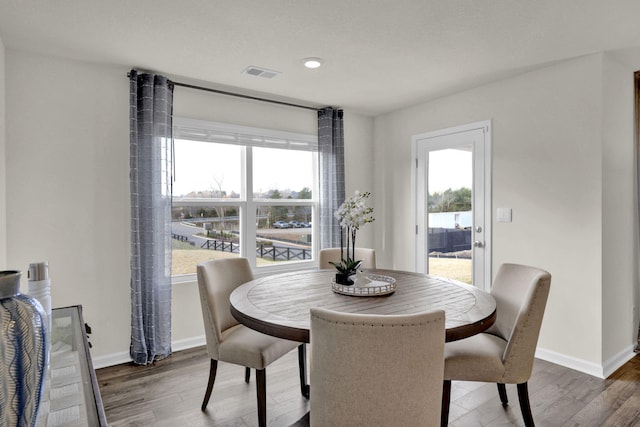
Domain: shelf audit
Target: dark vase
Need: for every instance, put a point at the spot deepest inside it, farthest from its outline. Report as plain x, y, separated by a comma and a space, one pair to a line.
23, 357
345, 279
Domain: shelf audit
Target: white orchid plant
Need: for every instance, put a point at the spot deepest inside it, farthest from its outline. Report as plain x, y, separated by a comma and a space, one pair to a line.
351, 215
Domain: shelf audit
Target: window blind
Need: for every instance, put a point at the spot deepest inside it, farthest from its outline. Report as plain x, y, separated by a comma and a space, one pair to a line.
224, 133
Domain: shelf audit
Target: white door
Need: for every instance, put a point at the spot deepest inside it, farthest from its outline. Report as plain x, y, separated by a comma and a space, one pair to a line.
452, 203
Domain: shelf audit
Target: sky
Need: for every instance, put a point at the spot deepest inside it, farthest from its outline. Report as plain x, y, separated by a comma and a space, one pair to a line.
201, 166
450, 169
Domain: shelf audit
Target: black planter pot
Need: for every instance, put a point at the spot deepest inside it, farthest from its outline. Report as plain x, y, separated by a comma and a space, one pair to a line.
346, 279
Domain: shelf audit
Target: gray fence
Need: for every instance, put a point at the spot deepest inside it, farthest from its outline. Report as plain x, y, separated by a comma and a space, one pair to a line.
447, 240
274, 253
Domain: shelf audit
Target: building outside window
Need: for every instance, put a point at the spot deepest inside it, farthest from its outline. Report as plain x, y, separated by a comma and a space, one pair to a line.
242, 191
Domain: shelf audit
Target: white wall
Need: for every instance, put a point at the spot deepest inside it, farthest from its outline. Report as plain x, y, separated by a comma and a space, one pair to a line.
620, 219
3, 169
359, 171
68, 185
548, 166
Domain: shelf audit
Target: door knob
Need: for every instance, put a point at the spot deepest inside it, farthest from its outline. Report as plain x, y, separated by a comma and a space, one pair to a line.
478, 244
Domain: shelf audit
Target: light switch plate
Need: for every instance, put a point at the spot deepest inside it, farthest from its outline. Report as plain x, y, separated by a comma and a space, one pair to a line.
504, 214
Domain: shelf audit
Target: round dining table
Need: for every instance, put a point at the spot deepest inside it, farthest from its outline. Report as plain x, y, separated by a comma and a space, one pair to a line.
279, 304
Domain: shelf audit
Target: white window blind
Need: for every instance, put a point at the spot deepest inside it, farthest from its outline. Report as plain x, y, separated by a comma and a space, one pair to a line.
224, 133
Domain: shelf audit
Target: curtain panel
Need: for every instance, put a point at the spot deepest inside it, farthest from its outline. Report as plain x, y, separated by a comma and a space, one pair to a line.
151, 105
331, 174
637, 156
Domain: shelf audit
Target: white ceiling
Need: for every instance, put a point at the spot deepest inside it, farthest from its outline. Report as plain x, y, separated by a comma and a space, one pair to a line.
380, 55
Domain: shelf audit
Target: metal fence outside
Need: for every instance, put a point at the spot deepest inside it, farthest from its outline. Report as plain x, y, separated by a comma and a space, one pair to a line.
447, 240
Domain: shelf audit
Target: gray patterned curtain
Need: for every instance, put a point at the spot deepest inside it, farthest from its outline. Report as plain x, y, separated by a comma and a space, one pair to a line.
637, 130
331, 173
151, 105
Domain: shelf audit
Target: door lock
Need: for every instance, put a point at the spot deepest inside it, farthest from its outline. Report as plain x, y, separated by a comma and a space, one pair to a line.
478, 244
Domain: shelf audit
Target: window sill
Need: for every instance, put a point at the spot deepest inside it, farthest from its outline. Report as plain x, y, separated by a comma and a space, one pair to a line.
257, 272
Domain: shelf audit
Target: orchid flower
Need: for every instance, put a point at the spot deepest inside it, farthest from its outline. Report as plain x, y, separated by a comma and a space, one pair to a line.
352, 214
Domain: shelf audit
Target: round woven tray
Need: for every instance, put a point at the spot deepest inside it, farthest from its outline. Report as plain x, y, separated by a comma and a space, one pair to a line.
372, 285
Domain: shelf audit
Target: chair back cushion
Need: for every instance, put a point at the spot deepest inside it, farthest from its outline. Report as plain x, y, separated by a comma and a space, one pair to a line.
375, 369
521, 296
368, 257
216, 280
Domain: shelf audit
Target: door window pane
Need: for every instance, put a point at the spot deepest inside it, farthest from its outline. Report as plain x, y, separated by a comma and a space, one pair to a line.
450, 213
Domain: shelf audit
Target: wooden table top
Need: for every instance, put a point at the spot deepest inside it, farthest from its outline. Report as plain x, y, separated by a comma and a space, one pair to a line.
279, 304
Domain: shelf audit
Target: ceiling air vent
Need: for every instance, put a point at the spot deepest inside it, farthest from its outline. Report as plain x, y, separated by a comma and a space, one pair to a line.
260, 72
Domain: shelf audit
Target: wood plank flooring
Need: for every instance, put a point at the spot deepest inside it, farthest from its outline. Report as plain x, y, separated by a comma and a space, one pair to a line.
170, 392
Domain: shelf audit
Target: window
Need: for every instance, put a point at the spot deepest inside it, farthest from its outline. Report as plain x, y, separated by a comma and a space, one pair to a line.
241, 191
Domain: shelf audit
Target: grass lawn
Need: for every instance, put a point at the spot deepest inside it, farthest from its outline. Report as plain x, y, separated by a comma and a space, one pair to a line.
453, 268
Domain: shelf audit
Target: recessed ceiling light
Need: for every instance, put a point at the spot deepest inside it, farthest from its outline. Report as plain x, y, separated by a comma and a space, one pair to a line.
312, 62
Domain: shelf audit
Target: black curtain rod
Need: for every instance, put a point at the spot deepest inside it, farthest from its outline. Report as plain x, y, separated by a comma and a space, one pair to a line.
239, 95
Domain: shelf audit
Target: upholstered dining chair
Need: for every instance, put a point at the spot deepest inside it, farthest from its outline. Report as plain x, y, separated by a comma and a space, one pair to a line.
368, 257
376, 369
505, 352
232, 342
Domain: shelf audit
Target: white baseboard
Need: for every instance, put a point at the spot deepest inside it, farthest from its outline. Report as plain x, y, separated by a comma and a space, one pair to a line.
188, 343
125, 357
614, 363
594, 369
110, 360
590, 368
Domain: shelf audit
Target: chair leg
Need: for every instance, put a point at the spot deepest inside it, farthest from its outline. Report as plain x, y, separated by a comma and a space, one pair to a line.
502, 391
213, 368
446, 398
302, 364
523, 397
247, 375
261, 392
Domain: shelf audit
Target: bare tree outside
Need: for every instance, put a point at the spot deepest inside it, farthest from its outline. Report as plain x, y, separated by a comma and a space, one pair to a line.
216, 186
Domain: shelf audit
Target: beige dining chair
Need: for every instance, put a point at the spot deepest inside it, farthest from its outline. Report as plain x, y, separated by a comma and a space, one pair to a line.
232, 342
368, 257
376, 370
505, 352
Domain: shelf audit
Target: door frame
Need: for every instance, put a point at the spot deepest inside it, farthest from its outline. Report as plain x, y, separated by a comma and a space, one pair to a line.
419, 211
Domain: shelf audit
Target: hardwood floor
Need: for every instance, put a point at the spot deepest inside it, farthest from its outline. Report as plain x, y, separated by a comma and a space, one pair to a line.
170, 392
